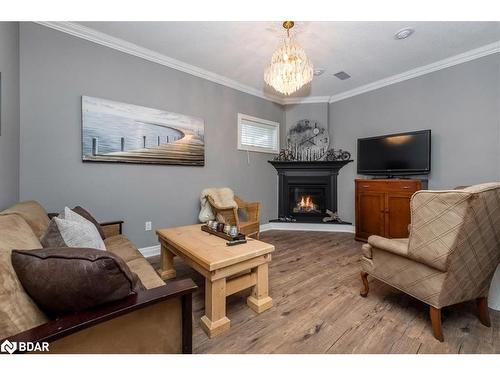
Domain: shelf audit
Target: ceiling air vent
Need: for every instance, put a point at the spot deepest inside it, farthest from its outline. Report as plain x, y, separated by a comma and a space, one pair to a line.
342, 75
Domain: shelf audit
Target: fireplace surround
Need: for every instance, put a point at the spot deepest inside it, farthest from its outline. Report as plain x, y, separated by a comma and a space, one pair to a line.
307, 189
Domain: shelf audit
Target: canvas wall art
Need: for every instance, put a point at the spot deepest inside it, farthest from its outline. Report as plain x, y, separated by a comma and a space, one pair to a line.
127, 133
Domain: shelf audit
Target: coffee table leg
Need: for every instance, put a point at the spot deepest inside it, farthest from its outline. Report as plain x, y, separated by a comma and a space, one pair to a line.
215, 322
167, 270
259, 300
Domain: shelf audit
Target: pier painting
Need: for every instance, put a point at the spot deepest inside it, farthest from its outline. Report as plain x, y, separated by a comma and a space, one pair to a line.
127, 133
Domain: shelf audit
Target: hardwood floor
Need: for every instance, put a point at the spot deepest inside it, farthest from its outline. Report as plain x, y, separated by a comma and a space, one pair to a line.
314, 282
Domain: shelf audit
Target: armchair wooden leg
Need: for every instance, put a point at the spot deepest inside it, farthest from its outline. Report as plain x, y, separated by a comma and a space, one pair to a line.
366, 288
435, 315
484, 313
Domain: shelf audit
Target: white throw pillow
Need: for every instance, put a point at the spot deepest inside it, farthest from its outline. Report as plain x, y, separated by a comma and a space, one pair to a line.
77, 231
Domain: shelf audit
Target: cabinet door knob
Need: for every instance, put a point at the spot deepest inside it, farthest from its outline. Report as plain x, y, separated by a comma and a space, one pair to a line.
406, 187
366, 186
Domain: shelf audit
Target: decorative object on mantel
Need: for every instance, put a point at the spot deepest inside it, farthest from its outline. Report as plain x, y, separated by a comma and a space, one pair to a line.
308, 140
290, 68
285, 154
332, 155
127, 133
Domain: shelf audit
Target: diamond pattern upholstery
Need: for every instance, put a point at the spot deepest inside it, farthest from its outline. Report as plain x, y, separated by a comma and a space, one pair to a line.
453, 248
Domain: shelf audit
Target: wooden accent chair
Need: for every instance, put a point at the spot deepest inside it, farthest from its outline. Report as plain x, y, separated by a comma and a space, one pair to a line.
251, 223
451, 254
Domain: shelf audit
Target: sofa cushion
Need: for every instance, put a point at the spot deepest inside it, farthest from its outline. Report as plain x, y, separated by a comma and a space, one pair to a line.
123, 247
150, 279
87, 215
18, 312
72, 230
33, 213
67, 280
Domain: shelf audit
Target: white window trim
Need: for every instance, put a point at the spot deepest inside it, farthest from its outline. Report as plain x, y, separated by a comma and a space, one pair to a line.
268, 123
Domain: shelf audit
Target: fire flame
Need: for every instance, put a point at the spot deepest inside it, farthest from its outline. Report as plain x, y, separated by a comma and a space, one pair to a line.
306, 203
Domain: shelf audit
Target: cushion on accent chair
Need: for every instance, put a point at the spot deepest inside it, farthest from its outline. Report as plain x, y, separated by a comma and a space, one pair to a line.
67, 280
398, 246
72, 230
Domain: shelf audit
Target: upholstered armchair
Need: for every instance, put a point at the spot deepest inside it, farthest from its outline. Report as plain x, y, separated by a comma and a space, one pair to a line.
451, 254
249, 221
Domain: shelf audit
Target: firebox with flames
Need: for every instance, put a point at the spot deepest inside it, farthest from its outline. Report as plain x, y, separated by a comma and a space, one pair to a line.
306, 205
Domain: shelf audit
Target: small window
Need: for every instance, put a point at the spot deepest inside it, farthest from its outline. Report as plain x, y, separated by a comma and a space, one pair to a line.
255, 134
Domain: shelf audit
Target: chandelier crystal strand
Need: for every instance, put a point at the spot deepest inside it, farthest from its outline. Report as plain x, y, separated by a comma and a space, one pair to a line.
290, 69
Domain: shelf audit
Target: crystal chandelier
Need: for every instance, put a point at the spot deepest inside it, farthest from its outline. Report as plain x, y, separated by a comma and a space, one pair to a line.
290, 69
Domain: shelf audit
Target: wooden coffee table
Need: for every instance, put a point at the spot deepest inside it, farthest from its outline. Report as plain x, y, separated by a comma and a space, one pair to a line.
227, 270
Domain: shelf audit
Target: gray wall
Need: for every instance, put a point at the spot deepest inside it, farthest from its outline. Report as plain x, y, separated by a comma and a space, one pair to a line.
9, 98
57, 69
459, 104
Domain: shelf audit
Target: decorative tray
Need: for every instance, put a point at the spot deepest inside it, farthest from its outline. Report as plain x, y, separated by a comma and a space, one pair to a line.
239, 236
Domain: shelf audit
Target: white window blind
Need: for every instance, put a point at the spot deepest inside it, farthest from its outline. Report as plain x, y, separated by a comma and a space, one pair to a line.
255, 134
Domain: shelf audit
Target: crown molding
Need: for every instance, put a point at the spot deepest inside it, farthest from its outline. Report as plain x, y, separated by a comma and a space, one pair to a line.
121, 45
305, 100
420, 71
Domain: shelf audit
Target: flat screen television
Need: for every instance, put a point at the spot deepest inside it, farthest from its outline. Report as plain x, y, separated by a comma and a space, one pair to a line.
395, 154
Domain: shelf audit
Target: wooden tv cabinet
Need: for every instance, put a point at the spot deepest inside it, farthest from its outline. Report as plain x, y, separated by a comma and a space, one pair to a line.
383, 206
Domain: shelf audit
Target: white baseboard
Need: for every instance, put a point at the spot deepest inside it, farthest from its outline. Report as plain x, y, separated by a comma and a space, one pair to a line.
308, 227
152, 251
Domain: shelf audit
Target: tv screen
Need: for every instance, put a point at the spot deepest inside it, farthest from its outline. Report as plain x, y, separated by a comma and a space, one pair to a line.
395, 154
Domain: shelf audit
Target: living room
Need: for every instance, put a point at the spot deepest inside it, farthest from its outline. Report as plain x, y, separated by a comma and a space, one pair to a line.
285, 187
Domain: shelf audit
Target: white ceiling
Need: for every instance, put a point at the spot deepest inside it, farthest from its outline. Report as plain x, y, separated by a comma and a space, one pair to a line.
365, 50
